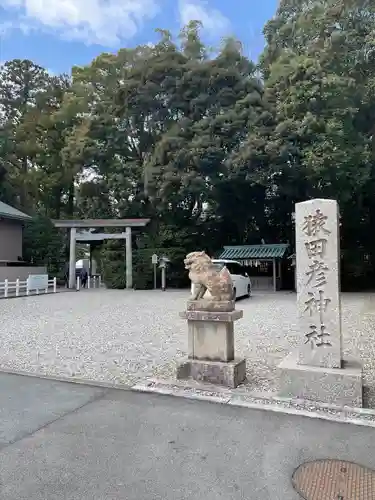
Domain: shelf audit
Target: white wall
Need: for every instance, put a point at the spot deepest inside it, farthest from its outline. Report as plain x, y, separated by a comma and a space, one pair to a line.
22, 273
10, 239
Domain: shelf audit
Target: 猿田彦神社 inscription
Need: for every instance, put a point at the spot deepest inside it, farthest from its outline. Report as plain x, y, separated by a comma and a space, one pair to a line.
318, 282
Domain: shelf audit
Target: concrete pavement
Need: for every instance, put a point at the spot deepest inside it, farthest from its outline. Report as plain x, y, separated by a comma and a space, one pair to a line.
61, 441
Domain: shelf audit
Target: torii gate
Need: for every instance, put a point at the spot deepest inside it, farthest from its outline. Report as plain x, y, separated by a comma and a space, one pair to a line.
73, 225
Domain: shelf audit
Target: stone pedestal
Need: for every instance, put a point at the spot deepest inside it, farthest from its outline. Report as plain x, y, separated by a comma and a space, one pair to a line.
211, 344
336, 386
229, 374
317, 371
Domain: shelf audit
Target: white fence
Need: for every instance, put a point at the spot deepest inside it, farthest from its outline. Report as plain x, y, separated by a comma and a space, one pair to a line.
18, 288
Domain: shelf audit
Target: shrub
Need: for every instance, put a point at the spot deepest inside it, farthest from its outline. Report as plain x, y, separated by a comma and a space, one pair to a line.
114, 266
143, 273
44, 245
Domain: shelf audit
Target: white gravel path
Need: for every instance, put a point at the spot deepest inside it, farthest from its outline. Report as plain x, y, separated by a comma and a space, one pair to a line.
122, 337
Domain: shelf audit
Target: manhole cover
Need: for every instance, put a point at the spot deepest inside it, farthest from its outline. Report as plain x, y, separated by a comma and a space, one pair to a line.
334, 480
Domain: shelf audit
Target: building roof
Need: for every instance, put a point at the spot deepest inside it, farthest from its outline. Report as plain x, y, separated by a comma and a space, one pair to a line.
254, 252
92, 223
8, 212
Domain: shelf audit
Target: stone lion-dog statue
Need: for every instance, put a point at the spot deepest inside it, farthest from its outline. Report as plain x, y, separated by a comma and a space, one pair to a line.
202, 272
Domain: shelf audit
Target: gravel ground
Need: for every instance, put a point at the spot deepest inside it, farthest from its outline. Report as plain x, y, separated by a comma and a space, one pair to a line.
123, 337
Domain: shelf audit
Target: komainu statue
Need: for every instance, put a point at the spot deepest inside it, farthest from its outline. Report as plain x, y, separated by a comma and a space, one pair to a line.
206, 276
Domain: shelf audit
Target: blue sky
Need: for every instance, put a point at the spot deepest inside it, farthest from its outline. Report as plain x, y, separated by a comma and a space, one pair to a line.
58, 34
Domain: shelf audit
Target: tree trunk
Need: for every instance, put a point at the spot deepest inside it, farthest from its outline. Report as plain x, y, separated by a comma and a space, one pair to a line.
70, 207
24, 202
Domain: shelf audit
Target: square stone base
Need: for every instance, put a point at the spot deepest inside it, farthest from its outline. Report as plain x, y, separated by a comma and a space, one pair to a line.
229, 374
336, 386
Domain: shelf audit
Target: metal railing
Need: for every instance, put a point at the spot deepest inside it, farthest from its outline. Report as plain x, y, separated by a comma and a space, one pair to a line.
92, 282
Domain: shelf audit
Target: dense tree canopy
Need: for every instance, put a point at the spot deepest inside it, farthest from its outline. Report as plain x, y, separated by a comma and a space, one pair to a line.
213, 148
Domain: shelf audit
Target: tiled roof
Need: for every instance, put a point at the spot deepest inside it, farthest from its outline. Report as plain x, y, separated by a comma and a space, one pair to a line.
254, 252
8, 212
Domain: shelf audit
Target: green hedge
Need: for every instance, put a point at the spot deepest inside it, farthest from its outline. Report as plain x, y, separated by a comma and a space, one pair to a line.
143, 273
44, 245
114, 266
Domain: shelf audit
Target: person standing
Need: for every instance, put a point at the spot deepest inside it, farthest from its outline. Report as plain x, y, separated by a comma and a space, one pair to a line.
66, 274
83, 277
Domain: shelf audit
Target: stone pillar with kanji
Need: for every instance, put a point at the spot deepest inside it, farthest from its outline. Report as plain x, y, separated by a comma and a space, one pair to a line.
317, 370
318, 283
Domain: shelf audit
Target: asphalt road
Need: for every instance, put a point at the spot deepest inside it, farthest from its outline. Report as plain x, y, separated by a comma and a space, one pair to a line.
62, 441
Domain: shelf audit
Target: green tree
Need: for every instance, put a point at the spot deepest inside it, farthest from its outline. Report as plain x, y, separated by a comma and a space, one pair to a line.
219, 101
319, 73
44, 245
197, 142
22, 84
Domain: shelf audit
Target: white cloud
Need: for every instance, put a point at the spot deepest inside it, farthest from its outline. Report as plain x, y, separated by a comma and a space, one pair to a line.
214, 22
105, 22
5, 27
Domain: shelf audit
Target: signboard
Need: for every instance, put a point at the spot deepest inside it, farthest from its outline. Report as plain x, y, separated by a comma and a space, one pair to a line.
164, 259
37, 282
154, 259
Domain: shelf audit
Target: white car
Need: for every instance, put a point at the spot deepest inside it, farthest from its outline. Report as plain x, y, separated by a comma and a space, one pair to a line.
240, 278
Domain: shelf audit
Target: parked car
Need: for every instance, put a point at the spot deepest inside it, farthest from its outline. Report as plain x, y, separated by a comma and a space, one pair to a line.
240, 278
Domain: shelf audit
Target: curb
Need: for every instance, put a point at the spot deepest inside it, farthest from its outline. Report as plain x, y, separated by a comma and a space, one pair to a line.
364, 417
327, 412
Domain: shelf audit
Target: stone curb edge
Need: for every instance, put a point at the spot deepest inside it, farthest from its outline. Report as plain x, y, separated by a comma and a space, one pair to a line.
267, 405
200, 394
